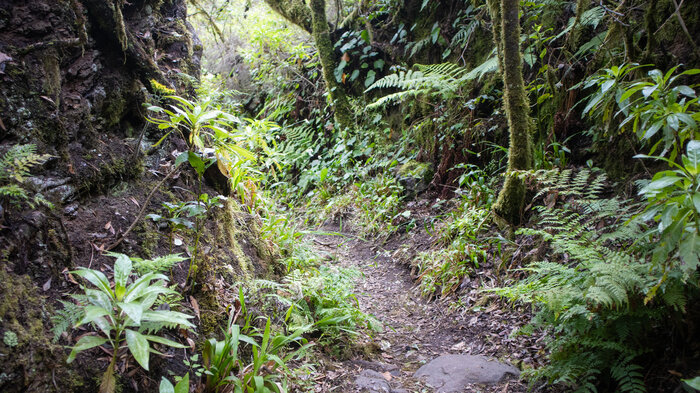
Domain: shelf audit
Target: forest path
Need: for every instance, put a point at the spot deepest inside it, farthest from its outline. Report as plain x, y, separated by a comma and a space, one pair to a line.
414, 332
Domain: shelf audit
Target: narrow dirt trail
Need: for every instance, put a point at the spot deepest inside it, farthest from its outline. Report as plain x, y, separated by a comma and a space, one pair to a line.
415, 331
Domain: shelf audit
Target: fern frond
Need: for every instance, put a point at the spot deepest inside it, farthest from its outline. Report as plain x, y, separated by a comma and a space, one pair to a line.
432, 79
629, 377
65, 318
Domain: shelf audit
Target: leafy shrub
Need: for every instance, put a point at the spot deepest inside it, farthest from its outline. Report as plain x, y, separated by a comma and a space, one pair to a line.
674, 203
123, 314
321, 300
226, 366
459, 252
649, 105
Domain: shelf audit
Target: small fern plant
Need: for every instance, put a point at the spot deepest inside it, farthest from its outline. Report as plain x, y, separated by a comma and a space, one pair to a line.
15, 167
122, 313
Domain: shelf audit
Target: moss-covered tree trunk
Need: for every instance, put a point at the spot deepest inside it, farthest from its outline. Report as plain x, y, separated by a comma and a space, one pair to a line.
511, 199
319, 28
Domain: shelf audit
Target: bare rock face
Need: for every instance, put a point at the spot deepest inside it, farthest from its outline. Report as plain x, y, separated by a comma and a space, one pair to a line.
451, 373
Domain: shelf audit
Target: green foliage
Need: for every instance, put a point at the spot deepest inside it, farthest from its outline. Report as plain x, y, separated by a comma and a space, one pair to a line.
227, 367
156, 265
379, 203
673, 199
435, 80
65, 318
321, 300
475, 186
693, 383
592, 292
649, 105
15, 166
123, 314
207, 128
441, 271
358, 58
673, 110
182, 386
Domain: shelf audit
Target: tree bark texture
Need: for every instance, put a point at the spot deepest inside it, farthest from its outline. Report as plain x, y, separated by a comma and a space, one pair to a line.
321, 34
294, 11
511, 198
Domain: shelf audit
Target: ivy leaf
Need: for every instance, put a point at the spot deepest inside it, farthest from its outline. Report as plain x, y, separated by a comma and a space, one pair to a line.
122, 270
365, 36
370, 78
184, 385
379, 64
86, 342
138, 346
166, 386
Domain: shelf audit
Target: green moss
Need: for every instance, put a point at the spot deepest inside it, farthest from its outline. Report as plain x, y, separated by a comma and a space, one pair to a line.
51, 83
119, 21
232, 233
31, 362
511, 198
341, 106
115, 108
149, 239
108, 174
413, 168
294, 11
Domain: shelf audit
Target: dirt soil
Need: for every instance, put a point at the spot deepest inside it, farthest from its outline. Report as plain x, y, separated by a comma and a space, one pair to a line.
417, 330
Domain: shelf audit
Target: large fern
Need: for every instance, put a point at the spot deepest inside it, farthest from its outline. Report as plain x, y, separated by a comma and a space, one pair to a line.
590, 291
437, 80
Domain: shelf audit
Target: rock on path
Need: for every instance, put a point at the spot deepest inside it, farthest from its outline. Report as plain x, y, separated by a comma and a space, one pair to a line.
453, 373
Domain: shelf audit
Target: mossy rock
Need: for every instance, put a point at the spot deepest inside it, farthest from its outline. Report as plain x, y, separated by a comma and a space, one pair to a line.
415, 177
30, 362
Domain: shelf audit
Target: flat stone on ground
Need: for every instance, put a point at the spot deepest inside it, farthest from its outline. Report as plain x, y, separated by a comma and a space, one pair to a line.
372, 381
451, 373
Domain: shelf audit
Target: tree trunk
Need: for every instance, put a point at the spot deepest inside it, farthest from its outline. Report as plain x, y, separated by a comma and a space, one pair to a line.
343, 113
511, 199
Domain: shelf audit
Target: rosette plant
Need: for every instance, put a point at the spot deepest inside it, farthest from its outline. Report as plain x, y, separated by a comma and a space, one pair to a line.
123, 315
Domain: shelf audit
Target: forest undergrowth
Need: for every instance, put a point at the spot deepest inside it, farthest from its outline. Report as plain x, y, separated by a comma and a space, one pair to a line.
348, 184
